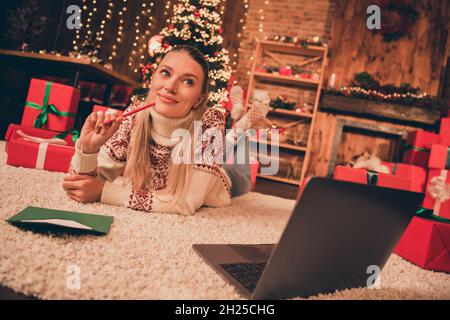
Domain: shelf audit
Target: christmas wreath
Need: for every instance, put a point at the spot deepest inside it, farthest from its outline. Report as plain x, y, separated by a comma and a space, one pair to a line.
408, 14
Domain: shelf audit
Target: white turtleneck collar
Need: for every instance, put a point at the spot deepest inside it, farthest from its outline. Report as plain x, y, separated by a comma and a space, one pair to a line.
162, 127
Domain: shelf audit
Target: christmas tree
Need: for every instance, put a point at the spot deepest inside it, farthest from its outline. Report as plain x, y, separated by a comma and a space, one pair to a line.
195, 23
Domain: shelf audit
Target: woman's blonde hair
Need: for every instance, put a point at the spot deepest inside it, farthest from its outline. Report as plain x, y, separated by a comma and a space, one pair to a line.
139, 167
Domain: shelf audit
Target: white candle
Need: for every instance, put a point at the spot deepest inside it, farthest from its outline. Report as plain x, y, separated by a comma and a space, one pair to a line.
332, 80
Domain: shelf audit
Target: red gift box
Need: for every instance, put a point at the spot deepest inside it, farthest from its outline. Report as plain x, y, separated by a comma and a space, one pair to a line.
416, 174
254, 168
12, 133
260, 69
51, 106
305, 75
416, 157
426, 243
439, 157
422, 139
286, 71
44, 156
106, 109
438, 187
364, 176
417, 149
444, 131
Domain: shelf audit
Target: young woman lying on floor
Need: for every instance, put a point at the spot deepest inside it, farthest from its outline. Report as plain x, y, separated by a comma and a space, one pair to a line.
142, 147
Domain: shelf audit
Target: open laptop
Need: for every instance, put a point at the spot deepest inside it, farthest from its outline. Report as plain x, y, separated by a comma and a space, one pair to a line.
336, 233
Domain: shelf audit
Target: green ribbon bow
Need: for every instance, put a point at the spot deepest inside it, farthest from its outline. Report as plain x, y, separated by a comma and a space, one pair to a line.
46, 108
372, 178
75, 135
428, 214
394, 169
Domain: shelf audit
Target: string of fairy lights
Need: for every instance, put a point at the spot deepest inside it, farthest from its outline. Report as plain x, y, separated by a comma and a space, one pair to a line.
142, 21
239, 36
76, 42
222, 7
86, 28
260, 28
89, 21
142, 25
101, 32
167, 11
96, 41
120, 31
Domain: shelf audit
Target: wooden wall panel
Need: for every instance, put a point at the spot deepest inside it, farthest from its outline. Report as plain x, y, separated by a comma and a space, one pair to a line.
418, 59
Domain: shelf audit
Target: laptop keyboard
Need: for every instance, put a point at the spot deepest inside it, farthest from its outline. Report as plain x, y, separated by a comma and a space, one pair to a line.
246, 274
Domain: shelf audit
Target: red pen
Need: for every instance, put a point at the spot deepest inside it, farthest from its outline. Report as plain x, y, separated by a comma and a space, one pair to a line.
129, 113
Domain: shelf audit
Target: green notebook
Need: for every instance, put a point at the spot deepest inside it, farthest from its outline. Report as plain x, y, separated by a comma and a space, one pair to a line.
62, 220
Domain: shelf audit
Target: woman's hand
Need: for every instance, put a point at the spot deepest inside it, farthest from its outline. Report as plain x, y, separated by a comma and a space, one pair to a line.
92, 136
83, 188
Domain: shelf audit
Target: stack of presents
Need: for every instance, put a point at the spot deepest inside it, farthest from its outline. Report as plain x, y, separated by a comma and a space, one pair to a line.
424, 168
45, 138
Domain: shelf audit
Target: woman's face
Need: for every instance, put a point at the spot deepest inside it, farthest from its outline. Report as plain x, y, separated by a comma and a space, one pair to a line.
176, 85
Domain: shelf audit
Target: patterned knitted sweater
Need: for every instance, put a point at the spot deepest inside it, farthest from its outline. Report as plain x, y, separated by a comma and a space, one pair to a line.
209, 184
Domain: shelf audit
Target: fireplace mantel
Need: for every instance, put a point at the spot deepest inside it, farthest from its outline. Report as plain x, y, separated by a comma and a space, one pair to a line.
385, 111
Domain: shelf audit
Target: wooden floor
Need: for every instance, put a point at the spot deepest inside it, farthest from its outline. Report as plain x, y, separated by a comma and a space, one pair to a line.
274, 188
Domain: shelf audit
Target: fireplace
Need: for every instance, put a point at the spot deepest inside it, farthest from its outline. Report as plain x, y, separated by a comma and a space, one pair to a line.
353, 137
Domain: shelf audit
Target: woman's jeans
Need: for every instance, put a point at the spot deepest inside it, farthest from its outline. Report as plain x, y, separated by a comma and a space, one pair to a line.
239, 173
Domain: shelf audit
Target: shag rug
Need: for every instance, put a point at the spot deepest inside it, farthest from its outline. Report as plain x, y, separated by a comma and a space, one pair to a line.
150, 255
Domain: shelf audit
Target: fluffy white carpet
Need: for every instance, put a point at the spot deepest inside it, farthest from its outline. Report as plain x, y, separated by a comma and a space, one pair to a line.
149, 255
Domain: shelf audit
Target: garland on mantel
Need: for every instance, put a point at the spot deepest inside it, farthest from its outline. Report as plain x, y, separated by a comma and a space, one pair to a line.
364, 86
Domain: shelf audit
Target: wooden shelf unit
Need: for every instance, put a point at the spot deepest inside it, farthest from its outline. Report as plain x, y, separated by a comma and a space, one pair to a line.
282, 145
291, 113
290, 80
297, 82
280, 179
